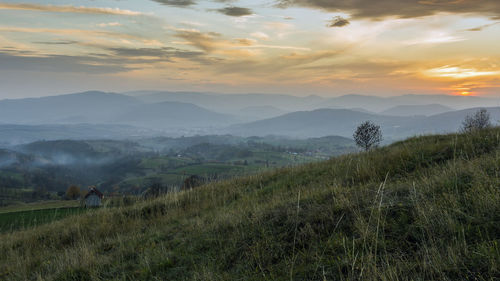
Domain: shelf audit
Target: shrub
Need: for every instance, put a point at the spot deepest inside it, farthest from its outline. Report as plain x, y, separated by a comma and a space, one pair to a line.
478, 121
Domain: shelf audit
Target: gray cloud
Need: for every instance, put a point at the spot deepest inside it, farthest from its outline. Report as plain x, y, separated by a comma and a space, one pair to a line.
479, 28
68, 9
56, 42
112, 60
61, 63
379, 9
155, 55
204, 41
164, 53
268, 67
338, 22
177, 3
185, 3
235, 11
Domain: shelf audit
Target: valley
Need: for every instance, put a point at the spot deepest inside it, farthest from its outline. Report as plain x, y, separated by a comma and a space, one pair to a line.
43, 170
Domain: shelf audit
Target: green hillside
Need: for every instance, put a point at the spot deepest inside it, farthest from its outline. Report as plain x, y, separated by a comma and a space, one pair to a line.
427, 208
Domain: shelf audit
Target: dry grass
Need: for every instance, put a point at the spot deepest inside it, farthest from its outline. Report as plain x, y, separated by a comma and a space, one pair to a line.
424, 209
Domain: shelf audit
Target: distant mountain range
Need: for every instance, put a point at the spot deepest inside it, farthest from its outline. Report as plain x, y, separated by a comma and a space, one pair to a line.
318, 123
416, 110
109, 108
379, 104
233, 103
110, 115
165, 115
88, 107
343, 122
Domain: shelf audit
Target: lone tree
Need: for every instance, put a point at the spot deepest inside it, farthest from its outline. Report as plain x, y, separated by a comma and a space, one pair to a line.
367, 135
73, 192
477, 121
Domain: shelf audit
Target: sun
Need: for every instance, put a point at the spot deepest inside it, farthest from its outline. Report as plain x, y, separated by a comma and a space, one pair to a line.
463, 93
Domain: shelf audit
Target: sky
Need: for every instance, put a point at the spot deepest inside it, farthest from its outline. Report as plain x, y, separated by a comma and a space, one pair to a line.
298, 47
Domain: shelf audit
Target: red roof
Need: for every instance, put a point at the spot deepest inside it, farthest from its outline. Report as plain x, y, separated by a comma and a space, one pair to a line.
94, 191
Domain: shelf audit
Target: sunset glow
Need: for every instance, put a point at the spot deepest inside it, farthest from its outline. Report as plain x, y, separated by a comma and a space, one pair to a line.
296, 47
460, 73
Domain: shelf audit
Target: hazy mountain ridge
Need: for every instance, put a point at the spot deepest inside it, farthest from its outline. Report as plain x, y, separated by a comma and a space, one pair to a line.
318, 123
378, 104
166, 115
86, 107
220, 102
97, 114
260, 112
343, 122
108, 108
232, 103
415, 110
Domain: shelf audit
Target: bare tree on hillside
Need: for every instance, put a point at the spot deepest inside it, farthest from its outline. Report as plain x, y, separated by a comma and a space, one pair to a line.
477, 121
367, 135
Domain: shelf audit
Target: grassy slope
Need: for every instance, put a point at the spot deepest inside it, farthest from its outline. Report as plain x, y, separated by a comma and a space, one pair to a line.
424, 209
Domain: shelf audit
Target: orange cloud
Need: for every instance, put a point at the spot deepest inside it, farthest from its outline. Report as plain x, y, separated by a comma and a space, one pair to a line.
68, 9
454, 72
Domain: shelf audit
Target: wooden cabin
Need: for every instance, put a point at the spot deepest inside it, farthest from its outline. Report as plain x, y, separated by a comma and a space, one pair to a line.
93, 198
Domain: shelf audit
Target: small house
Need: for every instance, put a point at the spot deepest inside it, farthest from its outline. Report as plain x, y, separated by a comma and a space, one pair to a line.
93, 198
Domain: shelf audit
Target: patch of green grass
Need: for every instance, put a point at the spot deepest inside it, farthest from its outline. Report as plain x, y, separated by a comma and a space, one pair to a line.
166, 179
423, 209
11, 221
208, 169
167, 162
40, 205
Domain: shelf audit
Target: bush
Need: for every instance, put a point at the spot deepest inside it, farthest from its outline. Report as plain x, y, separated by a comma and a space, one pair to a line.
478, 121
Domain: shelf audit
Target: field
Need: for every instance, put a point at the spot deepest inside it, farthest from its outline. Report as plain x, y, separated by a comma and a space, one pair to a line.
55, 204
427, 208
172, 171
19, 220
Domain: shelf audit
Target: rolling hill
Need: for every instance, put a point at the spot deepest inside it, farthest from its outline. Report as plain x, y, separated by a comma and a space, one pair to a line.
232, 103
167, 115
416, 110
427, 208
378, 104
87, 107
259, 112
321, 122
343, 122
108, 115
101, 108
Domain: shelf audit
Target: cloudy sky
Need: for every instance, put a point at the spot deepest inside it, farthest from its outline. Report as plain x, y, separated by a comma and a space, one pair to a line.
300, 47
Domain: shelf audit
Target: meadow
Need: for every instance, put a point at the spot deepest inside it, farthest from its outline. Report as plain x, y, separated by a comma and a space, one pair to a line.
427, 208
27, 219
